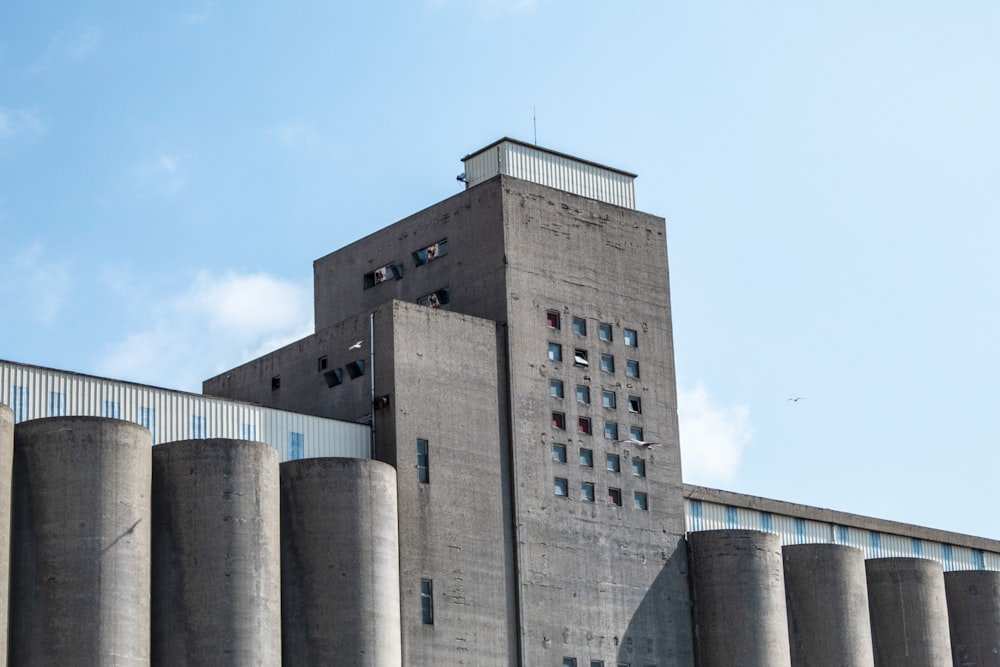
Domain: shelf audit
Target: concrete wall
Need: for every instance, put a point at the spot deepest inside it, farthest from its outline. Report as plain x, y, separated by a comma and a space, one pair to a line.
80, 543
974, 617
6, 466
339, 563
216, 559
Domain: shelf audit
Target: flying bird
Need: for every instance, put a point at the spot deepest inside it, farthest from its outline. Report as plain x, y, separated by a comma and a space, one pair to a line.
356, 346
641, 443
797, 399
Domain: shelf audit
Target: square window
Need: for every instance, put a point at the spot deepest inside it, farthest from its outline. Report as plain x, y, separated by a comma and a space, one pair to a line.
587, 458
583, 425
569, 662
613, 463
423, 470
559, 452
427, 601
635, 404
552, 319
632, 368
608, 363
583, 393
631, 338
611, 430
587, 492
333, 377
356, 369
639, 501
580, 326
615, 497
556, 388
635, 433
561, 487
555, 352
608, 399
639, 467
580, 358
604, 331
559, 421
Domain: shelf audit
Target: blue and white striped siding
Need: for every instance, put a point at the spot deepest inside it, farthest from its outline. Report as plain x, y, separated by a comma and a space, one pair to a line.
34, 392
703, 515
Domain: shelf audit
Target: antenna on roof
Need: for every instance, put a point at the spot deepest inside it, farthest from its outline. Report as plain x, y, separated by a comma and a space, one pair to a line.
534, 123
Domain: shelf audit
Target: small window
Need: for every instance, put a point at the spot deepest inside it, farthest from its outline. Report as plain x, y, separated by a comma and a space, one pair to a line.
333, 377
615, 497
583, 393
639, 501
382, 274
555, 352
596, 663
556, 388
430, 253
639, 467
423, 462
608, 399
580, 326
587, 458
611, 430
631, 338
635, 404
356, 369
604, 332
552, 319
635, 433
587, 492
561, 487
436, 299
613, 463
275, 382
632, 368
296, 446
321, 364
580, 358
569, 662
608, 363
583, 425
559, 452
427, 601
559, 421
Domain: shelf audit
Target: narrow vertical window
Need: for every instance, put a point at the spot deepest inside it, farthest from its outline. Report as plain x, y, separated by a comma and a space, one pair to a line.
197, 427
296, 446
423, 470
19, 403
248, 432
57, 404
579, 326
147, 419
631, 338
112, 409
275, 383
427, 601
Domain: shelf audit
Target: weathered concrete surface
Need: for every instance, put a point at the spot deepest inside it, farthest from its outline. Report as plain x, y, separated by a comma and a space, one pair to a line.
216, 585
909, 613
339, 563
6, 465
826, 596
80, 543
739, 599
974, 617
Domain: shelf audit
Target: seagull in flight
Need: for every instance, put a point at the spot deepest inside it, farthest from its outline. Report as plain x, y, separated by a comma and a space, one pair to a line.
356, 346
797, 399
641, 443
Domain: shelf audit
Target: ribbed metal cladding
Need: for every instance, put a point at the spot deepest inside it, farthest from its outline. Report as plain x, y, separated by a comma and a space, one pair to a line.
33, 392
552, 169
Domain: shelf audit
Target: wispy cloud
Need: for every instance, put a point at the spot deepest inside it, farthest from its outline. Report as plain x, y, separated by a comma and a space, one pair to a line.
214, 323
712, 436
297, 135
44, 284
201, 16
20, 124
166, 173
68, 46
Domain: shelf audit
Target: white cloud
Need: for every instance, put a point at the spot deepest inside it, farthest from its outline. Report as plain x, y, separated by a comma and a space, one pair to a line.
297, 135
68, 46
712, 436
165, 173
20, 123
215, 323
199, 16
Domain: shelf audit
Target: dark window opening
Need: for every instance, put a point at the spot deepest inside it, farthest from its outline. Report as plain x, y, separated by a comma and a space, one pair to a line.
430, 253
635, 404
583, 425
321, 364
356, 369
436, 299
276, 382
427, 601
580, 358
552, 319
382, 274
559, 421
333, 377
381, 402
615, 497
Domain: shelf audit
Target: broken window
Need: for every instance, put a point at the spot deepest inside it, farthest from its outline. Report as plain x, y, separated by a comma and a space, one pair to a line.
580, 358
382, 274
436, 299
635, 404
429, 253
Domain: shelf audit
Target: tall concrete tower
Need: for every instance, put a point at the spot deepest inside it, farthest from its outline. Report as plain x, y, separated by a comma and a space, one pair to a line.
512, 347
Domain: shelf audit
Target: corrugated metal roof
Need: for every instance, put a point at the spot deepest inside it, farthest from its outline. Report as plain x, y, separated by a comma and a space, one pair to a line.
34, 392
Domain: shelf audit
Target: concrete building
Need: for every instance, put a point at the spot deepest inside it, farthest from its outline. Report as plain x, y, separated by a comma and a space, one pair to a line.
506, 358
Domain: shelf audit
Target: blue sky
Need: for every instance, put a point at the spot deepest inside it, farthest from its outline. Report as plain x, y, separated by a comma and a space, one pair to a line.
828, 172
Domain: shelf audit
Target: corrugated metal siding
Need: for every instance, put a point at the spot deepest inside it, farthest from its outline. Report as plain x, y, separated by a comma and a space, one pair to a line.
552, 170
703, 515
174, 415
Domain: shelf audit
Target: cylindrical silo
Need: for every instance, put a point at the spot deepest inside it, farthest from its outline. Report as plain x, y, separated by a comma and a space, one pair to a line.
739, 598
80, 543
909, 613
216, 570
339, 563
6, 463
827, 600
974, 616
